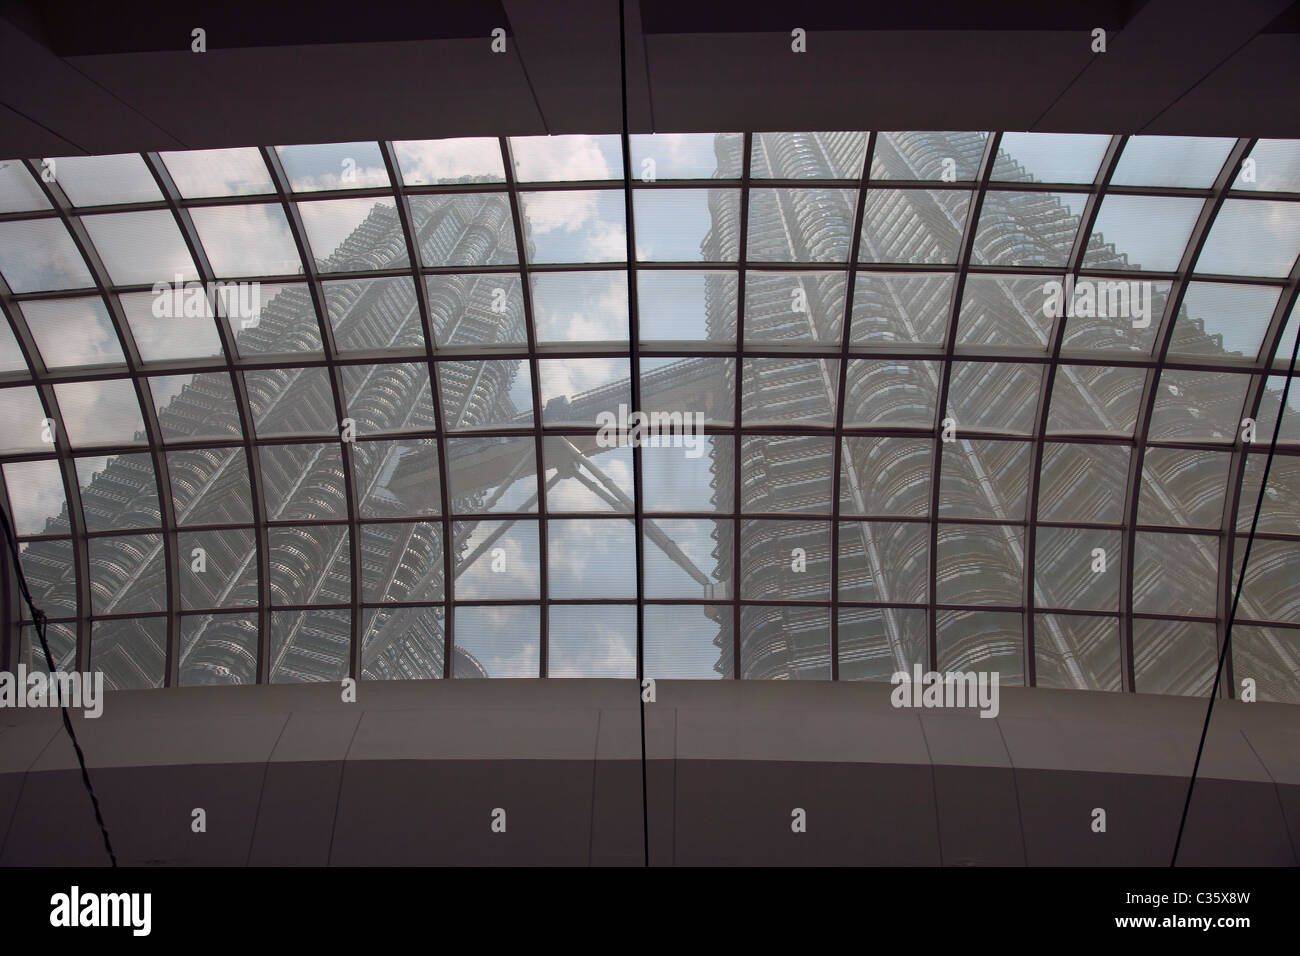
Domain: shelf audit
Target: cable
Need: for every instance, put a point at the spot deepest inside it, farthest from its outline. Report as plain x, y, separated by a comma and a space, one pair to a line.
39, 622
1236, 600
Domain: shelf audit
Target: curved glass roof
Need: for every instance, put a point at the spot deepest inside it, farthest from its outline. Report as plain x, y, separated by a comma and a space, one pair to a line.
968, 400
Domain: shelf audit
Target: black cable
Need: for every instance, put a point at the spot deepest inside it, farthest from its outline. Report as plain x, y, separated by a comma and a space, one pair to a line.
39, 622
1236, 600
627, 200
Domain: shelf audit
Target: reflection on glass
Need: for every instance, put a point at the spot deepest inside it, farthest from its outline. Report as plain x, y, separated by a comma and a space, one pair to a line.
785, 643
688, 641
1076, 652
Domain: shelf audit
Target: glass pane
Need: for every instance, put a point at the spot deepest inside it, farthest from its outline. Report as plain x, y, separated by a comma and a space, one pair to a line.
576, 391
672, 481
1174, 657
18, 190
308, 646
131, 652
1221, 320
683, 395
785, 643
218, 649
686, 155
100, 413
1270, 402
476, 309
250, 240
785, 560
788, 473
310, 565
36, 499
1075, 652
913, 225
572, 158
581, 476
26, 427
1077, 569
687, 225
1251, 237
51, 575
580, 306
1172, 161
353, 235
218, 568
984, 479
592, 640
1112, 315
1150, 232
1183, 488
402, 643
1271, 591
1264, 654
808, 155
11, 356
472, 229
127, 574
373, 314
492, 474
438, 161
100, 180
687, 306
387, 398
118, 492
303, 482
688, 642
1095, 400
164, 333
1049, 157
486, 394
193, 407
901, 308
498, 642
1280, 511
1175, 573
333, 166
589, 558
1276, 167
210, 486
925, 155
38, 254
800, 225
495, 560
885, 476
397, 477
1005, 312
73, 332
993, 396
401, 561
62, 639
218, 172
1083, 483
1198, 406
876, 643
1027, 229
285, 325
688, 558
982, 642
140, 247
980, 564
794, 307
884, 562
789, 391
297, 401
575, 226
